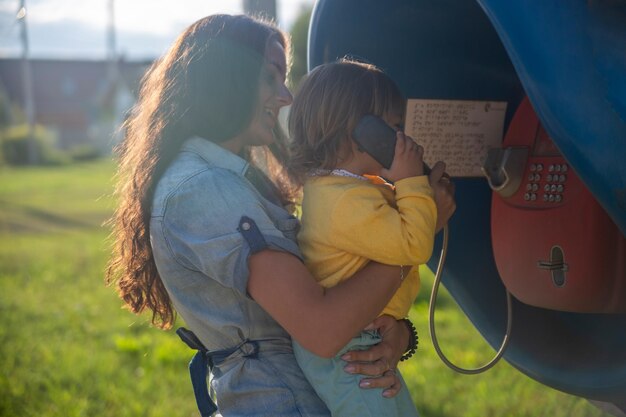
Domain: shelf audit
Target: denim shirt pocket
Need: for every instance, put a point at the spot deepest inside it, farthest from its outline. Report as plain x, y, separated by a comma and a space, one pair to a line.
289, 227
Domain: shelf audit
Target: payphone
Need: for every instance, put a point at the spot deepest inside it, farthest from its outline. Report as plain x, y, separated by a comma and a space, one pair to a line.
554, 245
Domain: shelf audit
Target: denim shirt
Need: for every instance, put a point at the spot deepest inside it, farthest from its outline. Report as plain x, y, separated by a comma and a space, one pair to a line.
202, 258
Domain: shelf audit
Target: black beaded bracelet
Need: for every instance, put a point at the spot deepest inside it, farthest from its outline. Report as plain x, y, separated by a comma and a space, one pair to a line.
413, 340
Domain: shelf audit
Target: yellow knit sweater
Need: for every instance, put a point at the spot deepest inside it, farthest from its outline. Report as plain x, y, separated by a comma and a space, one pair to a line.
346, 222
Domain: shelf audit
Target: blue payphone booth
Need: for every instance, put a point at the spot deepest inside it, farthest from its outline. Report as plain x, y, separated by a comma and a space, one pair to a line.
561, 70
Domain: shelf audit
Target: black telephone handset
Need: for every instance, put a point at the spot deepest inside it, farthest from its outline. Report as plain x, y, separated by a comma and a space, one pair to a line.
377, 138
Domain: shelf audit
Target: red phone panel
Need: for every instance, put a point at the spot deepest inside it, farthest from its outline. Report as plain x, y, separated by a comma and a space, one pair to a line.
554, 245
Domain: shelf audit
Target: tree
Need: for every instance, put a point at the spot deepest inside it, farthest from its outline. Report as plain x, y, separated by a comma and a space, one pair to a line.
299, 42
6, 111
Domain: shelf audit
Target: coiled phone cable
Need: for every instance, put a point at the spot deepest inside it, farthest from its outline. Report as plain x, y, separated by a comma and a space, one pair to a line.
431, 320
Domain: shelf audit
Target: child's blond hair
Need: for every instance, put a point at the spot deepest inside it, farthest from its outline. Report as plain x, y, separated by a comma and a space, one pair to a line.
328, 105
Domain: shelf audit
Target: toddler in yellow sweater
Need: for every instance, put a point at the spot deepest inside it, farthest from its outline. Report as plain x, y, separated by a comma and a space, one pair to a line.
351, 216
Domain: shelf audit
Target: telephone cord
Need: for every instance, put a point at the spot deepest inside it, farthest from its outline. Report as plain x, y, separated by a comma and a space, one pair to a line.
431, 321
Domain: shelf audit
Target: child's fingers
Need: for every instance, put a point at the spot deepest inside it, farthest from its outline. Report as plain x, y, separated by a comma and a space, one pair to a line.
400, 143
407, 161
437, 172
410, 146
420, 150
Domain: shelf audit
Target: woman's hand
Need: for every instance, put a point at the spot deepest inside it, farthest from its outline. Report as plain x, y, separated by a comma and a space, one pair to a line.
380, 361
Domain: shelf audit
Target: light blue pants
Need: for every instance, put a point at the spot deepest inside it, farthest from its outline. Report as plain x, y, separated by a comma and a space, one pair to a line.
340, 390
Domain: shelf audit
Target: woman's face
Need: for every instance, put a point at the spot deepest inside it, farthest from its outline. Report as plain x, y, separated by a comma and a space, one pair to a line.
273, 95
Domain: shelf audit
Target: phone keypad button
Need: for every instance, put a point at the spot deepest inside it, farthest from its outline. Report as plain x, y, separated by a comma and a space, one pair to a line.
546, 189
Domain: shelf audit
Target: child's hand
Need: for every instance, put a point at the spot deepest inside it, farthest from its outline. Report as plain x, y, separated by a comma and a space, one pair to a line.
444, 194
407, 160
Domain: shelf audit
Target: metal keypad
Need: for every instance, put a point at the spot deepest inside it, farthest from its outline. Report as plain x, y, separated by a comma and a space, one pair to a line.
545, 187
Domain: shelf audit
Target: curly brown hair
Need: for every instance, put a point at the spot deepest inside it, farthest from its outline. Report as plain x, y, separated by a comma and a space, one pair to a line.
327, 107
206, 85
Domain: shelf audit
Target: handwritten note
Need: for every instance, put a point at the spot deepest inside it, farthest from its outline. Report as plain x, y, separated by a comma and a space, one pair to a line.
458, 132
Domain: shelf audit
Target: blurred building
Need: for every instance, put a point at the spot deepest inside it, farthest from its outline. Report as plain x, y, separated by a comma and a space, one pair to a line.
81, 101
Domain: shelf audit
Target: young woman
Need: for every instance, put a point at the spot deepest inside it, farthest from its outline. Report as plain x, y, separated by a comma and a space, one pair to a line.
202, 231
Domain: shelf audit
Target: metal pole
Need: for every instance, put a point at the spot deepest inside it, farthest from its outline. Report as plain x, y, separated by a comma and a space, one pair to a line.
113, 72
27, 86
111, 40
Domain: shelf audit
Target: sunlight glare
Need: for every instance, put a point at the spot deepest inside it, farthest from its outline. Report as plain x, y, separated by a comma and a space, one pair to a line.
21, 13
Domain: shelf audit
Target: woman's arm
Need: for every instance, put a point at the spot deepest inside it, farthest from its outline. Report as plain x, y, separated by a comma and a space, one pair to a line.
322, 320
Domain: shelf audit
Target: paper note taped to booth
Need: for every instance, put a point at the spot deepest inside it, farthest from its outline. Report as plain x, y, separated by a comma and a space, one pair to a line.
458, 132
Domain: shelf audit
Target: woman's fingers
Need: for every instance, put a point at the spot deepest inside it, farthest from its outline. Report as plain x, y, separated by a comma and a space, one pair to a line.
389, 382
375, 368
379, 361
394, 388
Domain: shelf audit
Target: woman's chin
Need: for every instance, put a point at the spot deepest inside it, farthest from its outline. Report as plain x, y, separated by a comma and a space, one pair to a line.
266, 139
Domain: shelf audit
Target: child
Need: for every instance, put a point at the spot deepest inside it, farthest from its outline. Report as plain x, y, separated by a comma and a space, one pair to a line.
351, 216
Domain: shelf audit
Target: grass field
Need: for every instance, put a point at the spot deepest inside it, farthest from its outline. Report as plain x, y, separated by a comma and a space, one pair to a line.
68, 349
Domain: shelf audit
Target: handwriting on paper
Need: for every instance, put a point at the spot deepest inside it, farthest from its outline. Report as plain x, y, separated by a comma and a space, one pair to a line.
458, 132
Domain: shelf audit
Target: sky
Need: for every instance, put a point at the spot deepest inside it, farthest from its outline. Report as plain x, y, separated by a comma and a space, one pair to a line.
144, 28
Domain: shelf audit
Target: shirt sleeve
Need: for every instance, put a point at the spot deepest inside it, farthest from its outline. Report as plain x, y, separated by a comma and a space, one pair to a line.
203, 227
365, 224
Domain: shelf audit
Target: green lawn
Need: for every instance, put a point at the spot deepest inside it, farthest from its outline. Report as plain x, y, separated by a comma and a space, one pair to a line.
67, 348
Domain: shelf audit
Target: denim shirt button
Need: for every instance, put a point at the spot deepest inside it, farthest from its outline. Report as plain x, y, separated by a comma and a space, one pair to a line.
245, 226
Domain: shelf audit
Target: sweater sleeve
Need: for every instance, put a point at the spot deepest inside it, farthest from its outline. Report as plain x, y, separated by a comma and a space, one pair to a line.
365, 224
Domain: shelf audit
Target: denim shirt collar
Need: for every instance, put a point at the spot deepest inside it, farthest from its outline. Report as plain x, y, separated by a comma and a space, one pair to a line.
215, 155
